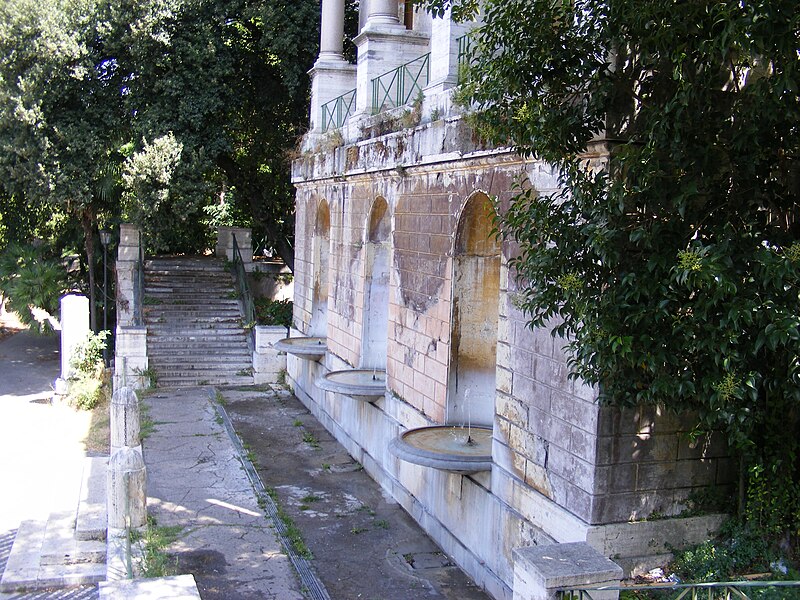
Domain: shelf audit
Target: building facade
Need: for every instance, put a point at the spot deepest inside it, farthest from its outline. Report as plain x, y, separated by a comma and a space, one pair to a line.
397, 268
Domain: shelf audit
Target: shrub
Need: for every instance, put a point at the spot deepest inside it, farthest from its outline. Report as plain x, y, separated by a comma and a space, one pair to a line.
274, 312
89, 384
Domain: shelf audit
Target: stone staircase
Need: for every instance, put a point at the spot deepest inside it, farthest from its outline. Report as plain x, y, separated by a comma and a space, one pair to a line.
69, 548
194, 324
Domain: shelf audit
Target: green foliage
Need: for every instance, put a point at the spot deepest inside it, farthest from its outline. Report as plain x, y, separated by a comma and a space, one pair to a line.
30, 280
273, 312
87, 356
89, 384
181, 105
667, 256
154, 560
167, 217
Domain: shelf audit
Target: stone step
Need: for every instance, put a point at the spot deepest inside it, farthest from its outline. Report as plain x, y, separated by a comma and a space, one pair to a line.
183, 309
193, 334
60, 547
210, 350
91, 521
185, 263
193, 381
165, 348
180, 319
193, 357
178, 266
194, 366
183, 283
33, 566
189, 297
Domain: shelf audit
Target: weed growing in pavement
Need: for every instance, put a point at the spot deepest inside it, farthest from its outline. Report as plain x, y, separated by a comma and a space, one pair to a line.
292, 531
154, 560
146, 423
297, 423
311, 440
382, 524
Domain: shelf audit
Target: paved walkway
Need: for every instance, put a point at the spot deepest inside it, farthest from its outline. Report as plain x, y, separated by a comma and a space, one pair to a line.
196, 480
41, 446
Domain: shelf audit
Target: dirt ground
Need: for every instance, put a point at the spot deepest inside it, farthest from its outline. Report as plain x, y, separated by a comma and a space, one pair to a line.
364, 545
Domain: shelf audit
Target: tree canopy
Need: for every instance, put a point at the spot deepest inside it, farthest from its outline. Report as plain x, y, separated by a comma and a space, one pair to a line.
173, 113
671, 255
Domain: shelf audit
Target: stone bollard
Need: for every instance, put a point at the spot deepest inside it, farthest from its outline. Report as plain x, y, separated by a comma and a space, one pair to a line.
126, 489
125, 420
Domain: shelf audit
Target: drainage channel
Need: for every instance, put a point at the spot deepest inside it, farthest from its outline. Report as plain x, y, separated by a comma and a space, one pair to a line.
311, 583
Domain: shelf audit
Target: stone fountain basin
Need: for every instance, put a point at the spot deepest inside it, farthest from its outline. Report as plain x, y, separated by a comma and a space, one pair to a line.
443, 447
362, 384
308, 348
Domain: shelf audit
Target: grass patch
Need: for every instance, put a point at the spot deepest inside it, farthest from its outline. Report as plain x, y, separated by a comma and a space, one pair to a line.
147, 425
148, 376
311, 440
154, 560
357, 530
310, 499
382, 524
98, 438
297, 423
220, 399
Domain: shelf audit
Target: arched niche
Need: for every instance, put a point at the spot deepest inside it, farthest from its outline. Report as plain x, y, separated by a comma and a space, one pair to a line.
321, 246
376, 287
476, 300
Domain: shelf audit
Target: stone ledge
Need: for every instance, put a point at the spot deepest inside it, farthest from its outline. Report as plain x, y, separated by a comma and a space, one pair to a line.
540, 571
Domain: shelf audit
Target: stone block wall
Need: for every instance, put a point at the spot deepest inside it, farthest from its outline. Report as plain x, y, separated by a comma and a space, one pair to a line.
565, 469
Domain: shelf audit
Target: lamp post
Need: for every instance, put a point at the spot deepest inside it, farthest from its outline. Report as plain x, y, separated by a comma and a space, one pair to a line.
105, 239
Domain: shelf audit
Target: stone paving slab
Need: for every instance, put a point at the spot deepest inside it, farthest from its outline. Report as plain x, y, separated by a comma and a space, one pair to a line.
195, 479
92, 520
180, 587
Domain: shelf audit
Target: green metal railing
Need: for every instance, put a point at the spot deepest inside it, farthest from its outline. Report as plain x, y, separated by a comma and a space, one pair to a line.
243, 288
335, 112
399, 86
465, 44
728, 590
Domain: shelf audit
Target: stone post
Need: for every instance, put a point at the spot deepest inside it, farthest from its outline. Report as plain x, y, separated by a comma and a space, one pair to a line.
125, 415
331, 30
131, 338
331, 75
127, 500
127, 257
74, 329
131, 357
243, 240
268, 362
541, 571
383, 44
444, 53
382, 12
